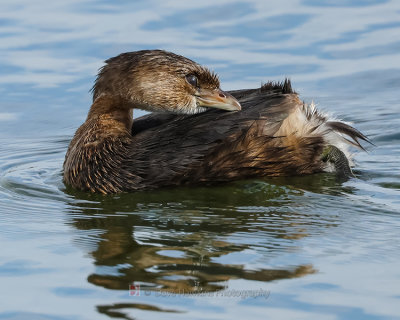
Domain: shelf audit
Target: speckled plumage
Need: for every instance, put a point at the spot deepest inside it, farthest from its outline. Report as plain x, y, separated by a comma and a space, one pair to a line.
275, 134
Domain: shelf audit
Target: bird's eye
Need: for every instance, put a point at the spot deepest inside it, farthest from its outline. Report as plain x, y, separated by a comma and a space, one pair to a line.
192, 79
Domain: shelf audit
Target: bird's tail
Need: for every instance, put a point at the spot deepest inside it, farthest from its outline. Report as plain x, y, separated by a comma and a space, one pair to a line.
307, 121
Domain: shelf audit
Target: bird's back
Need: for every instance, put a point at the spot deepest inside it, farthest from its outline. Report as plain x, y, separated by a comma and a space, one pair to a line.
275, 134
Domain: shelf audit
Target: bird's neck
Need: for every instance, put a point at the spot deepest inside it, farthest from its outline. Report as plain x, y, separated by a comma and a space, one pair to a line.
112, 109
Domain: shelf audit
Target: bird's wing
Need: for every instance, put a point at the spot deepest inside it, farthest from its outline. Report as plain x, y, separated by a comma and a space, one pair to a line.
275, 133
164, 147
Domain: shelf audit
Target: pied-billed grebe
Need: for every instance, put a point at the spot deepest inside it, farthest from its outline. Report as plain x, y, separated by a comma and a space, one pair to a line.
275, 134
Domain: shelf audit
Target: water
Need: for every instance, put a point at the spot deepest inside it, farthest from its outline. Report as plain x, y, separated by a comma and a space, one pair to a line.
307, 247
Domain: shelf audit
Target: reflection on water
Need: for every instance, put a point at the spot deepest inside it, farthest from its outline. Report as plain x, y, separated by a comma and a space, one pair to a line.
321, 247
170, 241
173, 246
202, 239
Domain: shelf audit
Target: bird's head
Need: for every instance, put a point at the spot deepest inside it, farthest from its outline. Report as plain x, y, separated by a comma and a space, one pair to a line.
162, 81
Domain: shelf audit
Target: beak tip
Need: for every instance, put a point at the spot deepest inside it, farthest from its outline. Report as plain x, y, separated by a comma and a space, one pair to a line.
234, 105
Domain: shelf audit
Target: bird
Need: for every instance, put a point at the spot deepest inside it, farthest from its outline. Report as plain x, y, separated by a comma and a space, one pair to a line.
197, 134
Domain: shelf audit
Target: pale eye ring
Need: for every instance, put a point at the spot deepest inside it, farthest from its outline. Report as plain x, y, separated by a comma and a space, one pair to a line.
192, 79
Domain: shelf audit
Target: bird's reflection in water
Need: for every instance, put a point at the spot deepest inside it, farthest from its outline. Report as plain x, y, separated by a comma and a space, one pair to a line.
177, 240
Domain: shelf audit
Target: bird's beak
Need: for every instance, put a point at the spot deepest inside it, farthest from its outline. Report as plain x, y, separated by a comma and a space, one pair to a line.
217, 99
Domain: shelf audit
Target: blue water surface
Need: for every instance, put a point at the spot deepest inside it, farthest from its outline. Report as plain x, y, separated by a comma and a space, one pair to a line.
290, 248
